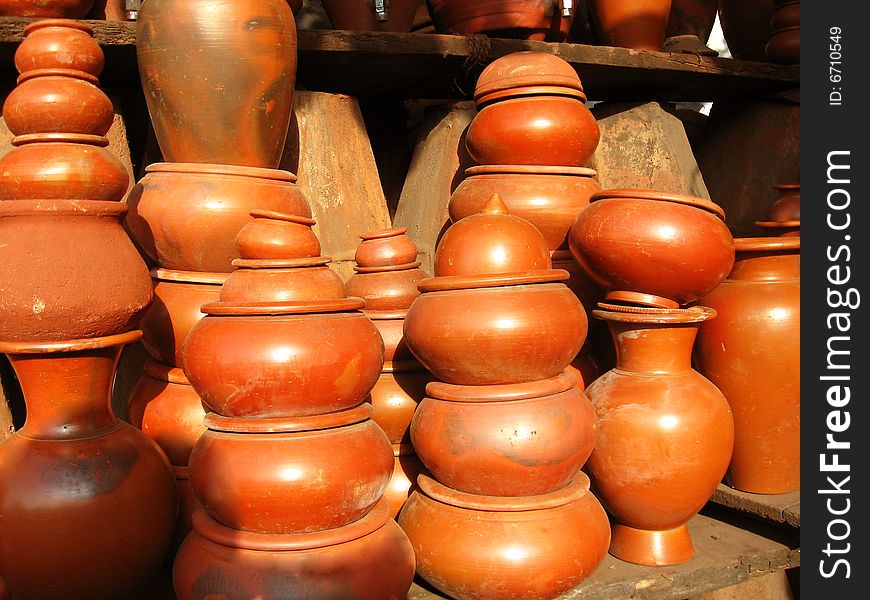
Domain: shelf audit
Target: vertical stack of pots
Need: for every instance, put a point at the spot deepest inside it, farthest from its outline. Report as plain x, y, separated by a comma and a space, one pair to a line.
76, 484
665, 432
291, 472
387, 273
531, 138
505, 430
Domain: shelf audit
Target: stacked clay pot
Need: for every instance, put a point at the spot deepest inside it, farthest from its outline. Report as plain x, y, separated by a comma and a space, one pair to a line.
76, 484
291, 472
532, 137
784, 45
784, 217
504, 432
387, 273
666, 432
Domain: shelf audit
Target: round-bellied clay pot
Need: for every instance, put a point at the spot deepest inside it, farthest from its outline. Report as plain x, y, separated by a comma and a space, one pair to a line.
395, 397
370, 559
746, 26
474, 547
787, 206
385, 248
367, 15
637, 24
68, 271
275, 235
541, 20
59, 44
665, 434
78, 485
751, 351
652, 248
403, 482
277, 281
522, 439
218, 79
291, 475
64, 9
526, 73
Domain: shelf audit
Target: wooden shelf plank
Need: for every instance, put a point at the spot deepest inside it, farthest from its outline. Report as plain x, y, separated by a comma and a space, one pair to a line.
783, 509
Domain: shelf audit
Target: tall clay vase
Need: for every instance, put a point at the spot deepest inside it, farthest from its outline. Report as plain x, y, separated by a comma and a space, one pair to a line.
218, 78
752, 353
638, 24
665, 434
87, 502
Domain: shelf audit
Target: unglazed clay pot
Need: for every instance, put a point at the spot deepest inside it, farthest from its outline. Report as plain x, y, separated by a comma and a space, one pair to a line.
402, 484
59, 44
370, 559
524, 19
788, 205
548, 197
579, 282
68, 271
366, 15
291, 475
638, 24
290, 360
218, 78
487, 330
385, 248
524, 73
395, 397
784, 46
665, 434
652, 248
786, 14
746, 26
474, 547
277, 281
759, 372
512, 440
79, 488
276, 235
168, 410
68, 9
186, 216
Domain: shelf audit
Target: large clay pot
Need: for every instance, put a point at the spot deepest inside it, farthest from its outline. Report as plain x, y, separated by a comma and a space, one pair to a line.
291, 475
371, 15
751, 351
59, 44
68, 271
665, 434
524, 19
474, 547
652, 248
218, 78
512, 440
67, 9
79, 489
746, 26
637, 24
370, 559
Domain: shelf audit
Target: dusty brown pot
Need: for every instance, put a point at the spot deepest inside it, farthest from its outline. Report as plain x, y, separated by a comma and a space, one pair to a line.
524, 19
59, 44
638, 24
362, 15
65, 9
275, 235
751, 351
68, 271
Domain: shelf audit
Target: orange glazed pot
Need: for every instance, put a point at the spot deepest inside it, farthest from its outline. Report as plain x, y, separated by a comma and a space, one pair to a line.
510, 440
638, 24
369, 559
291, 475
541, 20
751, 351
665, 434
474, 547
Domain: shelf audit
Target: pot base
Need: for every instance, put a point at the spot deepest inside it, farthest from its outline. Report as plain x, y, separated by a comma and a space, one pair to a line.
654, 548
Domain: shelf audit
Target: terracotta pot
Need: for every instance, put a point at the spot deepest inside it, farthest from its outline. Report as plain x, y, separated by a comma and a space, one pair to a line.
279, 281
363, 15
637, 24
402, 484
395, 397
692, 17
665, 434
483, 548
548, 197
218, 79
68, 9
527, 73
787, 206
488, 330
513, 440
291, 475
652, 248
580, 283
385, 248
59, 44
61, 166
291, 360
187, 504
759, 373
79, 485
386, 291
746, 26
786, 14
370, 559
784, 46
175, 310
540, 20
186, 217
168, 410
275, 235
68, 271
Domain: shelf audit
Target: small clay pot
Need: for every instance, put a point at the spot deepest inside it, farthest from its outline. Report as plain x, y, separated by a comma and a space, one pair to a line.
278, 281
291, 475
518, 72
59, 44
275, 235
787, 206
395, 397
637, 24
362, 15
61, 9
540, 20
385, 248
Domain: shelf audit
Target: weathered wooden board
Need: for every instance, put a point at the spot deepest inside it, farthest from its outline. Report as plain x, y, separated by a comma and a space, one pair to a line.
776, 508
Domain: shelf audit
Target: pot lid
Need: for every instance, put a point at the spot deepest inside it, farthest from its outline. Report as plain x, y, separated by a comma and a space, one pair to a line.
645, 194
525, 69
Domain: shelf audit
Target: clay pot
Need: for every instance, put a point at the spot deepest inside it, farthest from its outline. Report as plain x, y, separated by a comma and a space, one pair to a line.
386, 291
275, 235
168, 410
692, 17
363, 15
385, 248
218, 83
526, 73
395, 397
512, 440
787, 206
175, 310
784, 46
68, 9
637, 24
291, 475
68, 271
186, 217
746, 26
483, 548
59, 44
488, 330
548, 197
759, 373
406, 469
291, 360
540, 20
370, 559
652, 248
279, 281
665, 434
83, 483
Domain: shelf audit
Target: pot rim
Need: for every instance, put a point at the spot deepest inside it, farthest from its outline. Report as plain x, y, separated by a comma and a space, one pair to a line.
446, 283
540, 388
529, 170
644, 314
787, 186
84, 139
388, 268
163, 372
779, 224
201, 277
74, 74
274, 215
281, 263
215, 169
524, 91
343, 418
67, 23
60, 207
380, 234
649, 194
768, 244
96, 343
300, 307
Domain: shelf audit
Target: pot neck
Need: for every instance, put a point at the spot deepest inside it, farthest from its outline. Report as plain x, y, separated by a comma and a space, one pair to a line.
653, 347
